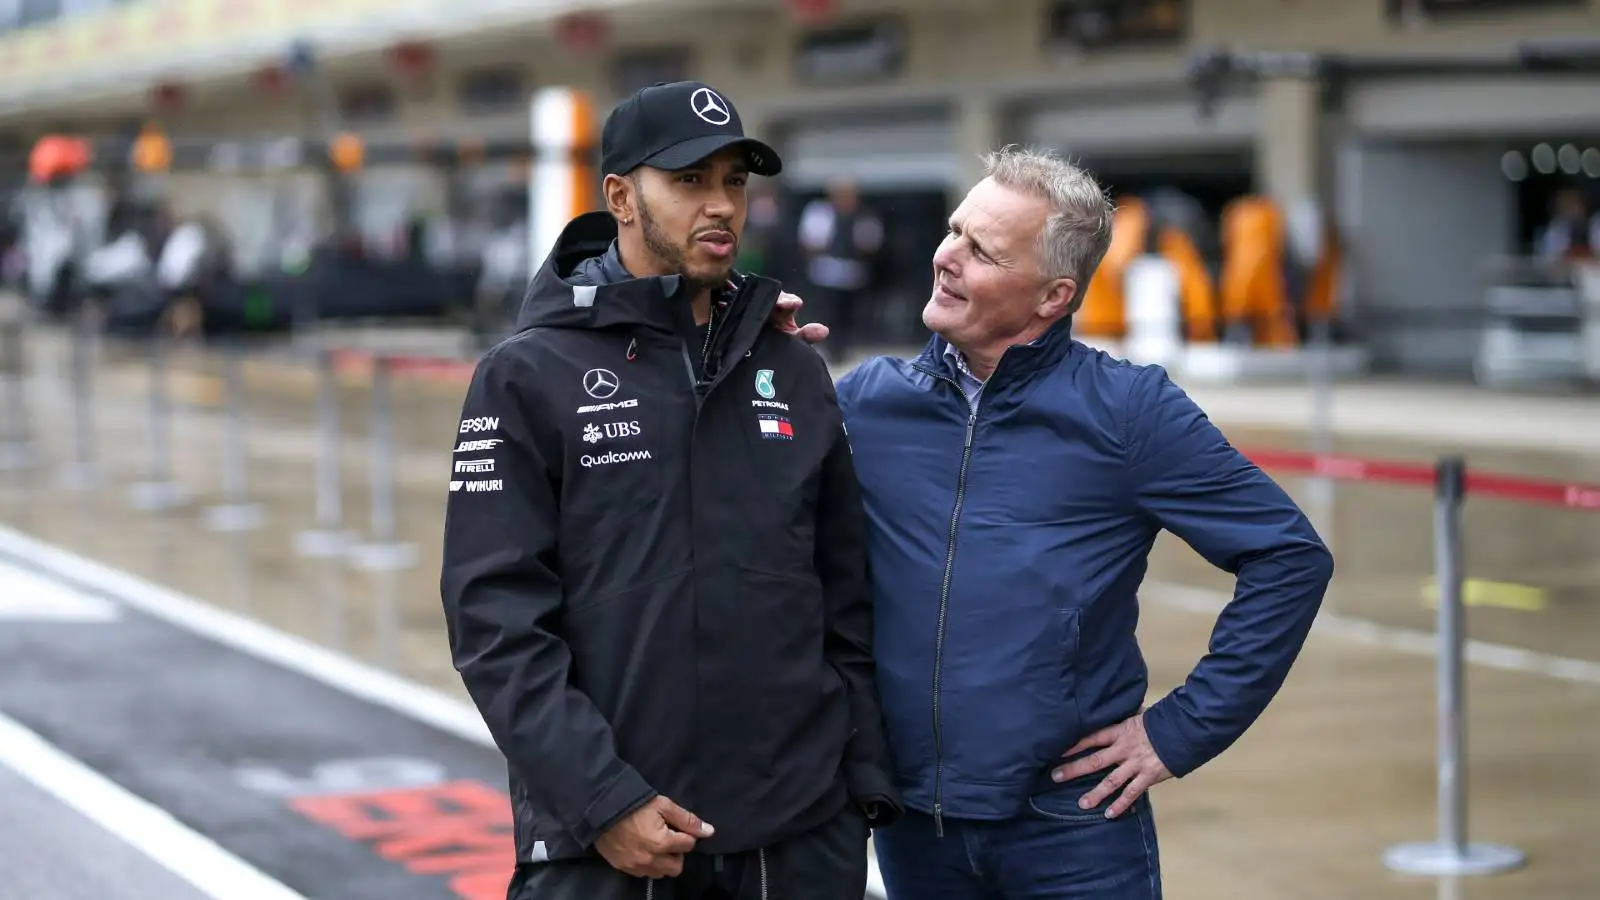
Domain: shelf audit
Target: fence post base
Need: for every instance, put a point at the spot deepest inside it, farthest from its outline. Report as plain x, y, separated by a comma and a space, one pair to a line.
234, 518
383, 557
1439, 859
156, 496
323, 543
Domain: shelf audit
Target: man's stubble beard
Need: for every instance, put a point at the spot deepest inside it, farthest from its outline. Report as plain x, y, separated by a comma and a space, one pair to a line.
676, 256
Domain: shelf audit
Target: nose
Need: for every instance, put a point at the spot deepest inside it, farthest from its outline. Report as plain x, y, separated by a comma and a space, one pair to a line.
944, 258
720, 205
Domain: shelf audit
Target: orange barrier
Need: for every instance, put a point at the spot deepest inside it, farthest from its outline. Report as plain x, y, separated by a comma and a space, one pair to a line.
1105, 304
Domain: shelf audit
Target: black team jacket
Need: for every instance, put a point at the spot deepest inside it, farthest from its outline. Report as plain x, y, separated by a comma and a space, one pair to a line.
654, 572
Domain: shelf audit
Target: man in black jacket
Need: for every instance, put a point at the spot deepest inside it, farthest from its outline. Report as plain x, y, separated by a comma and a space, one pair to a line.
654, 567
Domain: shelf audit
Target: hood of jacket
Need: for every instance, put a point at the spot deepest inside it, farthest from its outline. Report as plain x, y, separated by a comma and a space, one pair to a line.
583, 284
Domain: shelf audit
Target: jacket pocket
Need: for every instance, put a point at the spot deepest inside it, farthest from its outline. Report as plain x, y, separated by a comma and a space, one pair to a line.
1060, 804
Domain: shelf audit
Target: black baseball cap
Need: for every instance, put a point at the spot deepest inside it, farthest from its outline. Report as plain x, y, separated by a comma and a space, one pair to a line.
673, 126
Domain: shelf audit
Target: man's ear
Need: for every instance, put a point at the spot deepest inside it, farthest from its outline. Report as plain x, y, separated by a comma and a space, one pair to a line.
1059, 298
619, 191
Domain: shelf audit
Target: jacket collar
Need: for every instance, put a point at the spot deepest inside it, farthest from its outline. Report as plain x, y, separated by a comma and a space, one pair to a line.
1018, 363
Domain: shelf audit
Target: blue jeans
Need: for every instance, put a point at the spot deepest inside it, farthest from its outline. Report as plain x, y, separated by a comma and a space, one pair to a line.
1055, 851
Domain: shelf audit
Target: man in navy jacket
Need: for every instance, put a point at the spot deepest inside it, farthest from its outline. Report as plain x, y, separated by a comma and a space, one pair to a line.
1015, 481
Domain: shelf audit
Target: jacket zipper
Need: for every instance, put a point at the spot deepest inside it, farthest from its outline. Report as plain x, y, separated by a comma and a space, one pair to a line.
944, 606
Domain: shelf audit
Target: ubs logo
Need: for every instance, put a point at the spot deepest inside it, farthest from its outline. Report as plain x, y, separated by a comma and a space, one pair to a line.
594, 434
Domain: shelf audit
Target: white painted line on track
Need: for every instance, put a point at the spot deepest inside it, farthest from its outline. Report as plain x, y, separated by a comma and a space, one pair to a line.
138, 823
254, 639
29, 597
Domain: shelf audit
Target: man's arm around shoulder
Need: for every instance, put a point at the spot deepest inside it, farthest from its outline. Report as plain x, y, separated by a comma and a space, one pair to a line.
1187, 478
500, 590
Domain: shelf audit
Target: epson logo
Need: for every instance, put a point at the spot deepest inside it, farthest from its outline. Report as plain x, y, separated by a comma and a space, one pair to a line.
606, 459
475, 465
606, 407
481, 423
470, 446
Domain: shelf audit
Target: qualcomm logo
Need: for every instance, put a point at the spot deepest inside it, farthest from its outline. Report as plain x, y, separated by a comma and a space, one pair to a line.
606, 459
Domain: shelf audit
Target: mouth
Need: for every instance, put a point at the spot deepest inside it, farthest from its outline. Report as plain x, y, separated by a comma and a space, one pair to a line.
948, 293
718, 243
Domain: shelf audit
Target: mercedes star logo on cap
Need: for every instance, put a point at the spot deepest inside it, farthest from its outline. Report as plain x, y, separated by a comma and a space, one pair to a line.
710, 107
600, 383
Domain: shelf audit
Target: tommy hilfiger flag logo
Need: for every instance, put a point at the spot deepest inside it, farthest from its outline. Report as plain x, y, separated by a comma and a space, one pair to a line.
776, 428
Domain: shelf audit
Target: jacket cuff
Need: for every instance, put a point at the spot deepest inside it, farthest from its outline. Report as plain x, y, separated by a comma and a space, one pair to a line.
620, 799
1162, 725
873, 791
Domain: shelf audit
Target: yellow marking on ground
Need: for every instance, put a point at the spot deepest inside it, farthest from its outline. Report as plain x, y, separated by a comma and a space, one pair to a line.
1497, 594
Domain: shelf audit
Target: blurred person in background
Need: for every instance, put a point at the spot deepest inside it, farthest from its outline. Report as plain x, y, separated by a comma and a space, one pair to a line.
841, 240
1572, 232
1015, 481
654, 572
758, 245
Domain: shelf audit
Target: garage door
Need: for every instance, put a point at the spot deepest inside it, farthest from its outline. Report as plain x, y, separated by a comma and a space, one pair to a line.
1503, 106
904, 154
1169, 124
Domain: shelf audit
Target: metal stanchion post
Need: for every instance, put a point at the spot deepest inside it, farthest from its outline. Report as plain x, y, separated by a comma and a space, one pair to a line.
328, 539
1451, 854
385, 554
1321, 378
16, 438
159, 491
236, 513
82, 473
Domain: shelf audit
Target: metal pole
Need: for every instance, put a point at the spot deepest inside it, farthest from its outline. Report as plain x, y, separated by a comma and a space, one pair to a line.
16, 440
1450, 854
1449, 482
236, 513
159, 491
382, 493
385, 555
1321, 378
82, 474
328, 539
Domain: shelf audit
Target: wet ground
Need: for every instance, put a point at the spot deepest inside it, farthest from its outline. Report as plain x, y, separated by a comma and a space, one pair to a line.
1338, 769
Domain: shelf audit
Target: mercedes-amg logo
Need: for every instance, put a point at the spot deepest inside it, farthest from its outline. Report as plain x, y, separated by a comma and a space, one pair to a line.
710, 107
600, 383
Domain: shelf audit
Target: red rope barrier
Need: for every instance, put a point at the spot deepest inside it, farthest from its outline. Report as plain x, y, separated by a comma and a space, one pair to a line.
1571, 495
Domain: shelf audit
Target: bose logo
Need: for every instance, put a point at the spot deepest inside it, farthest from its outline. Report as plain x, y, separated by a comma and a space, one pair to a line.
470, 446
606, 459
482, 423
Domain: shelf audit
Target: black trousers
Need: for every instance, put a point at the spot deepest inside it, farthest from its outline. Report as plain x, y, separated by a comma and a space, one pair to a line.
827, 863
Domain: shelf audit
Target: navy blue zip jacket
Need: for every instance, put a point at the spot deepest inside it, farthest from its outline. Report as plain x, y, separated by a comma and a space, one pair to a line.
1007, 543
